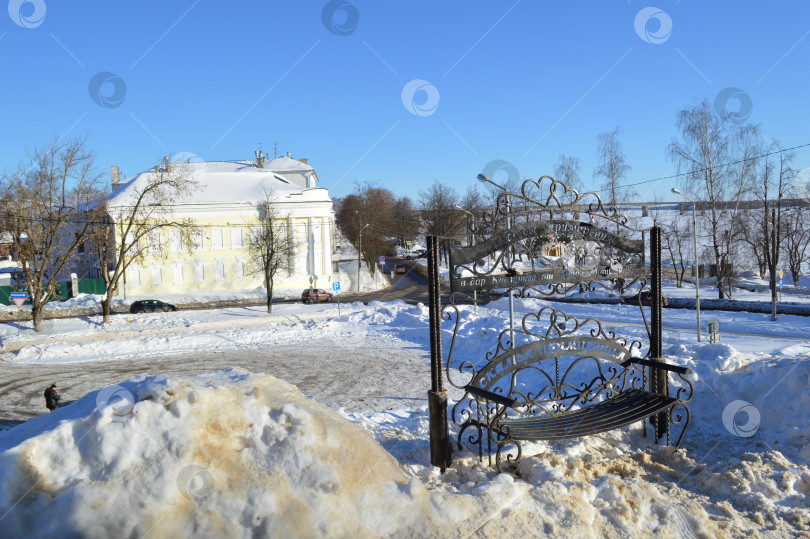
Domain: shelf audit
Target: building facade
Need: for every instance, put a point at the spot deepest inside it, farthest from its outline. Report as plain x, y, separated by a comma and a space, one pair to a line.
211, 251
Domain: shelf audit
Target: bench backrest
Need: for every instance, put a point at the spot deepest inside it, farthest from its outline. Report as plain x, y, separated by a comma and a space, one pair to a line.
555, 373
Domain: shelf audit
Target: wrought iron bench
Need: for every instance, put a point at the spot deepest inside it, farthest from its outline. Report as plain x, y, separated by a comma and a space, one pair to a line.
540, 390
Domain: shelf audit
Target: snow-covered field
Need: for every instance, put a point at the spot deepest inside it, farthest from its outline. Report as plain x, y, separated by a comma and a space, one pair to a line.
239, 453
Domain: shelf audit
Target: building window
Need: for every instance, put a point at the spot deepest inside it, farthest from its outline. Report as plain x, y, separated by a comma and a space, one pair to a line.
199, 273
175, 240
131, 243
219, 269
154, 242
178, 273
197, 239
237, 238
133, 278
157, 277
239, 269
217, 239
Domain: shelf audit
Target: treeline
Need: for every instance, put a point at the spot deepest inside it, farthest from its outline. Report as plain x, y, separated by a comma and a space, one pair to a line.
752, 204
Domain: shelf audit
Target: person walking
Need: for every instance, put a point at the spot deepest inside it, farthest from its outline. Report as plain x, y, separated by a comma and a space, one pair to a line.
52, 398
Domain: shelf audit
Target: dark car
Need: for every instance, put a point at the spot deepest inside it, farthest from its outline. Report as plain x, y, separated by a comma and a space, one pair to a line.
645, 298
151, 306
400, 268
314, 295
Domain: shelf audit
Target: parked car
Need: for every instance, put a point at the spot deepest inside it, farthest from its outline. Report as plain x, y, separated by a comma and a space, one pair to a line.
400, 268
151, 306
314, 295
416, 253
645, 298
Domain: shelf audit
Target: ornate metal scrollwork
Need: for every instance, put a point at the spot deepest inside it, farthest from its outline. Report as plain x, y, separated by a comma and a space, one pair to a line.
541, 242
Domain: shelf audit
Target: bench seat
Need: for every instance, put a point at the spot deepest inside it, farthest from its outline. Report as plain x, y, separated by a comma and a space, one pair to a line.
624, 409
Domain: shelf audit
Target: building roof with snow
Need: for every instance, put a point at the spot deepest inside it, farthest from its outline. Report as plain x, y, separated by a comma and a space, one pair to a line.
230, 182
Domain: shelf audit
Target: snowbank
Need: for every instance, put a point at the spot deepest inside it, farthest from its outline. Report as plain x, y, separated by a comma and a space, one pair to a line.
247, 443
227, 454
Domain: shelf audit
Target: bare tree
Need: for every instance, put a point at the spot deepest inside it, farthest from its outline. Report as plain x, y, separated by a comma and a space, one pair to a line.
676, 239
797, 239
439, 216
271, 244
473, 202
612, 169
717, 157
405, 220
774, 175
753, 235
567, 170
133, 216
49, 204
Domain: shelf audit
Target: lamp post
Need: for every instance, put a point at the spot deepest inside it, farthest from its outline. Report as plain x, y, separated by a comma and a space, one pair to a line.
484, 179
472, 221
359, 255
695, 266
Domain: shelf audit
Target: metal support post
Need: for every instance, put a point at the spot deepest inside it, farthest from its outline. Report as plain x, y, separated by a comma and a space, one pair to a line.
658, 377
437, 396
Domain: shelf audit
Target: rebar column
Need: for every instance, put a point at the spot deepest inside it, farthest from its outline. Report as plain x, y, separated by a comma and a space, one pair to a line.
437, 396
658, 377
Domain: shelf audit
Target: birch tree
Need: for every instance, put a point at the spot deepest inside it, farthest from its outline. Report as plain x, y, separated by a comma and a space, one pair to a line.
49, 203
717, 159
121, 234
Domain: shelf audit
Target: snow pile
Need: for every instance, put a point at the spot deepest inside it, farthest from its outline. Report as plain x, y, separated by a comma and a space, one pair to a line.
235, 454
224, 454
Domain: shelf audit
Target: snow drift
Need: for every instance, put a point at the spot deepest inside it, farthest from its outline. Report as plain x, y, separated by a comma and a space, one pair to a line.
224, 454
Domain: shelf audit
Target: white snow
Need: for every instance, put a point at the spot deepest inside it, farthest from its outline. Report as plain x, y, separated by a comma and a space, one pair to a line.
237, 454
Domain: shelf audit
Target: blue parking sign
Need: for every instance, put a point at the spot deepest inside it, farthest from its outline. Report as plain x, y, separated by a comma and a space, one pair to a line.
336, 286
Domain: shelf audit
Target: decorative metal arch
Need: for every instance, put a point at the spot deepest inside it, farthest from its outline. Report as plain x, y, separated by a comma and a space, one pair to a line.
516, 259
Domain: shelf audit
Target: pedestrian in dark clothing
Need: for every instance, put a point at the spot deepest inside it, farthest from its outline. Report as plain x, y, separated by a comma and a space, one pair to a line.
52, 398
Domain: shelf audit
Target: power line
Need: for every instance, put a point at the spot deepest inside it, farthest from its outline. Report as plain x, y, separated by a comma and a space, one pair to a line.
705, 168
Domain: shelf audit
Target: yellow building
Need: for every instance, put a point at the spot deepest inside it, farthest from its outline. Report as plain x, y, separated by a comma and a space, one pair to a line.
221, 211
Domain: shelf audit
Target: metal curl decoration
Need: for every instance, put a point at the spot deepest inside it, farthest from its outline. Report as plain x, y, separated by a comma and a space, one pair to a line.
550, 195
559, 253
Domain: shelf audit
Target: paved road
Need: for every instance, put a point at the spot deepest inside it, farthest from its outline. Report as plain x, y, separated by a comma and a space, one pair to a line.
376, 375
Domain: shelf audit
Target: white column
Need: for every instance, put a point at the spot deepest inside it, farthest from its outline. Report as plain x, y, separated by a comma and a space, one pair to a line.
326, 246
311, 247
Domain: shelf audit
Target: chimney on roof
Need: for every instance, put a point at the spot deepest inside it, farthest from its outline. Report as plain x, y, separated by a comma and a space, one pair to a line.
157, 169
166, 164
288, 154
259, 159
303, 161
115, 177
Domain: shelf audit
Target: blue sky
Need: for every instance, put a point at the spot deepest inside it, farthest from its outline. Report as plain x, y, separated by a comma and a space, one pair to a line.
517, 81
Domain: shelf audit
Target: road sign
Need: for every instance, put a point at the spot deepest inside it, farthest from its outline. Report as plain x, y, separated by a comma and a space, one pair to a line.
336, 286
382, 260
714, 330
779, 284
19, 298
781, 274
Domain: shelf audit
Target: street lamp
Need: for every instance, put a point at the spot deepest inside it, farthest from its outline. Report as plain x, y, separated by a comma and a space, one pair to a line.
695, 266
472, 243
359, 254
484, 179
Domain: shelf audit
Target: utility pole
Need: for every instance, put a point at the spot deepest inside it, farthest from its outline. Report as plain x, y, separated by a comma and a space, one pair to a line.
359, 255
773, 263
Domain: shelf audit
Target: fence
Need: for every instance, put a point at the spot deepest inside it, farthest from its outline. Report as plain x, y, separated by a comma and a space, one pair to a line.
64, 290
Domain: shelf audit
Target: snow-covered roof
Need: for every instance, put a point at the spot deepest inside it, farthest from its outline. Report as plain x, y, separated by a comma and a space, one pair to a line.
225, 182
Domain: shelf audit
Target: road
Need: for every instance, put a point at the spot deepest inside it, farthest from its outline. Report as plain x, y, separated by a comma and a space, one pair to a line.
337, 376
